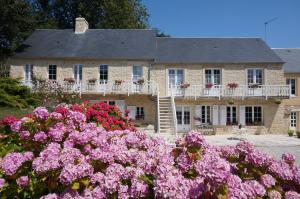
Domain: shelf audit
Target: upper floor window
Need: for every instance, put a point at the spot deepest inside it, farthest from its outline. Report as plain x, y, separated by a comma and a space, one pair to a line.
28, 72
77, 72
255, 76
103, 70
52, 72
137, 73
292, 82
213, 76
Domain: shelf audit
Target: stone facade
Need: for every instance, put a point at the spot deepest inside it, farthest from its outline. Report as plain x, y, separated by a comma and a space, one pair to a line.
294, 101
275, 119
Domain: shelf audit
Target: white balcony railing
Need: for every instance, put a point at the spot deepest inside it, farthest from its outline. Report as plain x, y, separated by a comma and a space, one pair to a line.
242, 91
108, 87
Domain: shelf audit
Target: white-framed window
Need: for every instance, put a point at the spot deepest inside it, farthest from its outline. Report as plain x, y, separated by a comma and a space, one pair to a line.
292, 82
103, 73
213, 76
77, 72
255, 76
231, 115
253, 115
206, 114
293, 119
183, 114
52, 71
140, 114
137, 73
28, 70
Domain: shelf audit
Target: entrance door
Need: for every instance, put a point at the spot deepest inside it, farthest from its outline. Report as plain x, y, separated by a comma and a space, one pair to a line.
77, 73
183, 114
293, 120
176, 78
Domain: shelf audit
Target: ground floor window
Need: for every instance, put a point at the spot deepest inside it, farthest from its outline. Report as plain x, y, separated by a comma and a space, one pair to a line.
140, 112
205, 114
253, 115
231, 115
183, 114
293, 119
112, 103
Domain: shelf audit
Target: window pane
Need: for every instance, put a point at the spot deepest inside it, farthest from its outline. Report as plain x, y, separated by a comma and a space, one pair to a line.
103, 73
292, 82
186, 115
208, 114
259, 76
52, 72
179, 115
228, 115
137, 72
257, 114
248, 115
293, 119
250, 76
217, 77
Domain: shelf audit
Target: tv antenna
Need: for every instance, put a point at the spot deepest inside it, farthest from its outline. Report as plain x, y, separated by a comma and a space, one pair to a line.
267, 23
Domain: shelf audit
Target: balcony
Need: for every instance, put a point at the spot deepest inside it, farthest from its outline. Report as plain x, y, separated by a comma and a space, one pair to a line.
104, 88
223, 91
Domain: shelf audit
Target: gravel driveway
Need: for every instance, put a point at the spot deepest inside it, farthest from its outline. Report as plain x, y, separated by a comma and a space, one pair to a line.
274, 145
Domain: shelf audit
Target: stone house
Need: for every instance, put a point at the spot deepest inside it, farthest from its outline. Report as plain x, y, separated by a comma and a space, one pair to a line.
291, 67
177, 84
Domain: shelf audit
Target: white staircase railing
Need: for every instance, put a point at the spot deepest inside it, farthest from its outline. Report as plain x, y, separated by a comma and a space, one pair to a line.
158, 111
174, 113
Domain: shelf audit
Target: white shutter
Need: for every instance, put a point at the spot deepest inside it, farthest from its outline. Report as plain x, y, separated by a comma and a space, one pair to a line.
121, 105
215, 115
198, 115
132, 112
222, 115
242, 115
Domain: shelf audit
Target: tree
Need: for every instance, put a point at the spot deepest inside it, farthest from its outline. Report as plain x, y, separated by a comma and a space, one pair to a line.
16, 22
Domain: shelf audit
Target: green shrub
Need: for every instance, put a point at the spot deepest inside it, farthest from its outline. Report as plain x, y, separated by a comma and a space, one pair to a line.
290, 132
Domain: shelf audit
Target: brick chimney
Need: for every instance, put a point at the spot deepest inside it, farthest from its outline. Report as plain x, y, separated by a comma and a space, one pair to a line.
81, 25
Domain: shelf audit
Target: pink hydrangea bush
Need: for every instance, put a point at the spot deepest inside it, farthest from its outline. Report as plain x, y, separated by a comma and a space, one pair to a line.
67, 157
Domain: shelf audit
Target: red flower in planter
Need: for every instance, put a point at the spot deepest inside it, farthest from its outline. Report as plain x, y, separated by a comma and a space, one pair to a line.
232, 85
209, 85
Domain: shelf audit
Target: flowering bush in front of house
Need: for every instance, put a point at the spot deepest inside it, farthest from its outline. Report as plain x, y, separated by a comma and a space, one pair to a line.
64, 156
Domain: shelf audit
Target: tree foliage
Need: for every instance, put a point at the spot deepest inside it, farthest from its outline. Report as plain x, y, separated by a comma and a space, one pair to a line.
18, 18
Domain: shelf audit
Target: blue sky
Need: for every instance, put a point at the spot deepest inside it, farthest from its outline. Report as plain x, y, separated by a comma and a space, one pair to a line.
228, 18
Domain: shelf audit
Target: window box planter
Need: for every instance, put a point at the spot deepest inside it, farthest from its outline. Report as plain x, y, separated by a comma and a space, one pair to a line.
277, 101
253, 86
118, 82
184, 85
209, 85
92, 81
232, 85
231, 101
139, 82
69, 80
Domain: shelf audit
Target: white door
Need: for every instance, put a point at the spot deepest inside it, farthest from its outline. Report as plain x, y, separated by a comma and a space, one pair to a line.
242, 115
77, 69
293, 120
183, 114
121, 105
132, 112
231, 115
28, 74
176, 78
198, 111
215, 115
213, 78
137, 75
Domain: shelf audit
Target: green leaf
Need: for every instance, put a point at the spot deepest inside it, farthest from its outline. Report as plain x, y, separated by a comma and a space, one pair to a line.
75, 186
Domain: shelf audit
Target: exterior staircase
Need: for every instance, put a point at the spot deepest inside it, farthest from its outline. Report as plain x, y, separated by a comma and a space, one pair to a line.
166, 116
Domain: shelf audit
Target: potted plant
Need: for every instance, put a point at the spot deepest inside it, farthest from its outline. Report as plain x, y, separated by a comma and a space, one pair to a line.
298, 134
291, 132
209, 85
140, 81
197, 119
231, 101
277, 101
232, 85
184, 85
69, 80
118, 82
92, 81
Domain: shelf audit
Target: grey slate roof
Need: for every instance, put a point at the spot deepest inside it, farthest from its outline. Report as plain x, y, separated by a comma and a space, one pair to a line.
214, 50
94, 43
143, 45
291, 56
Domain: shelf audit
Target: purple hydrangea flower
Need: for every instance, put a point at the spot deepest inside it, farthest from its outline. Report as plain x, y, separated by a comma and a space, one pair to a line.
292, 195
22, 181
40, 113
288, 158
274, 194
267, 180
2, 182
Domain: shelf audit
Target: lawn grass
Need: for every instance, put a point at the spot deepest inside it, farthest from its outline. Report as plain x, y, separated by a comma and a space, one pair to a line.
19, 113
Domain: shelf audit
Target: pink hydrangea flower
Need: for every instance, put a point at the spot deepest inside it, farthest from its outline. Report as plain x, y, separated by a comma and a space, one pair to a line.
267, 180
22, 181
